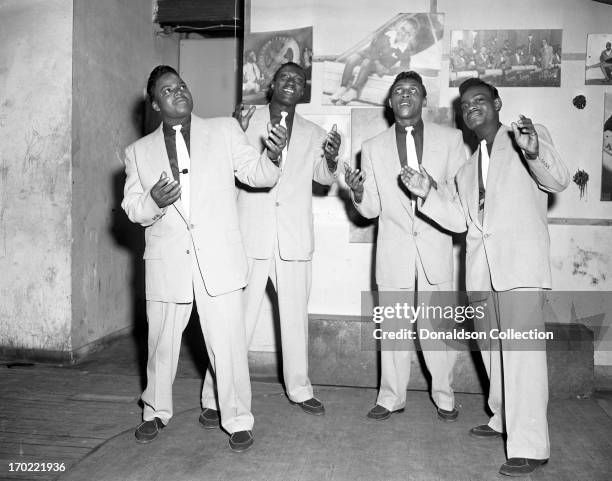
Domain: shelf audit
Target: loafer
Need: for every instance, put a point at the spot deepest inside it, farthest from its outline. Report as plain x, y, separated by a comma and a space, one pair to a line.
484, 431
448, 416
147, 431
312, 406
209, 418
240, 441
520, 466
379, 412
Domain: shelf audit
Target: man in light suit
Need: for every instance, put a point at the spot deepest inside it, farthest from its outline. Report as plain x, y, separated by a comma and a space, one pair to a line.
501, 199
193, 246
412, 253
277, 228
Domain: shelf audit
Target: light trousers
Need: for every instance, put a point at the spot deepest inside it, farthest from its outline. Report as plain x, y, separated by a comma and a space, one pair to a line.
395, 357
517, 371
291, 280
221, 321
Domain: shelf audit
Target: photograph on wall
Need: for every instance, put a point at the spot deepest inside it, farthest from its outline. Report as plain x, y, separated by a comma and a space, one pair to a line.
506, 58
606, 168
363, 74
265, 52
598, 69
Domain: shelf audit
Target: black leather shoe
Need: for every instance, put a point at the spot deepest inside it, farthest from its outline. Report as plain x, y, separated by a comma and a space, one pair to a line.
448, 416
312, 406
240, 441
520, 466
147, 431
209, 418
379, 412
484, 432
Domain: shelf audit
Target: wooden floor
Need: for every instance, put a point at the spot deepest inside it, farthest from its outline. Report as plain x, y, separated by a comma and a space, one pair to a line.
60, 415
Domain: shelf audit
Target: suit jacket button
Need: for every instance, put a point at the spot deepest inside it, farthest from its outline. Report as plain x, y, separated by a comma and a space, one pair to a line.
191, 226
187, 251
415, 234
486, 236
277, 204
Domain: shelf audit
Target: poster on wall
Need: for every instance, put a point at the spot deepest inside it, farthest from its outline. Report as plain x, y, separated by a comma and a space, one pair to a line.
606, 170
363, 73
265, 52
506, 58
598, 68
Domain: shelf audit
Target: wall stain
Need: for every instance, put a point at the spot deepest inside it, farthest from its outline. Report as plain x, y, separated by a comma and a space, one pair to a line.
591, 265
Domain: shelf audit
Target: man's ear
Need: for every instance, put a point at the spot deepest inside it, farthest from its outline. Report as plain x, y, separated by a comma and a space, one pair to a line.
155, 105
497, 103
425, 102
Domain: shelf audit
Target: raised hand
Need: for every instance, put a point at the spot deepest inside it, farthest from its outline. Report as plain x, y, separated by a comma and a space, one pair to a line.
526, 136
243, 116
419, 183
332, 145
165, 191
276, 141
354, 179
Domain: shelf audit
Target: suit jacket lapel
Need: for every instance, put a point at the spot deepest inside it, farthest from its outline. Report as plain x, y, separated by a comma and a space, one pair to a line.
501, 144
393, 167
471, 187
431, 158
199, 173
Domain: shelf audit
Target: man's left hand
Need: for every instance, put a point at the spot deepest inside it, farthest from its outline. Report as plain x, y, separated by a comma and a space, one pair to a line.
526, 136
331, 148
276, 141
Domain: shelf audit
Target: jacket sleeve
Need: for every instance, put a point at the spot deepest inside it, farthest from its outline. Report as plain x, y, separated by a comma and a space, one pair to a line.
369, 207
548, 169
250, 167
137, 202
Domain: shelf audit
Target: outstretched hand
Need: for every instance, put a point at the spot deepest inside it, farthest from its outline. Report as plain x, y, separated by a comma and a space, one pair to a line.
417, 182
165, 191
276, 141
526, 136
332, 144
354, 179
243, 116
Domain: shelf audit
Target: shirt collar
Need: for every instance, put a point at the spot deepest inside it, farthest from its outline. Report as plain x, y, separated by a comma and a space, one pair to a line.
185, 127
418, 128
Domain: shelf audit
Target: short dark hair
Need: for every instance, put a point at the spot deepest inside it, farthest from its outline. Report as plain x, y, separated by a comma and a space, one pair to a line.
290, 64
409, 75
608, 124
476, 82
154, 76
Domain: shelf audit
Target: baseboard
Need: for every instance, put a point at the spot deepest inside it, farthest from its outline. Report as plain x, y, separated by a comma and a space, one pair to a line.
11, 354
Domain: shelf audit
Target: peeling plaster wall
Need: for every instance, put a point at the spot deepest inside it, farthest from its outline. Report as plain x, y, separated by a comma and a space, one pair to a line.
35, 173
114, 51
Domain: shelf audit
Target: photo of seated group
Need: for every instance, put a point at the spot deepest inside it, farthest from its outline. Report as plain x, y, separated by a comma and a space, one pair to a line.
506, 58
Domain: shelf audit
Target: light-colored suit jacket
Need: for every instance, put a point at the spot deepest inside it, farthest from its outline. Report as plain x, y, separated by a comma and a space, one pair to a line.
402, 236
510, 248
283, 215
219, 151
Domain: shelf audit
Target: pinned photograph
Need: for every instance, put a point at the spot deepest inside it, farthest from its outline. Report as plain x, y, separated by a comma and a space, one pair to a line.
506, 58
265, 52
606, 168
363, 74
598, 69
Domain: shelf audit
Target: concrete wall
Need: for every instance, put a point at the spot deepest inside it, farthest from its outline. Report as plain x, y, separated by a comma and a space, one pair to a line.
35, 173
115, 49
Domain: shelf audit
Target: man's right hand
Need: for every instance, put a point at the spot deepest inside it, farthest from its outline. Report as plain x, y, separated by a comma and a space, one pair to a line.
419, 183
165, 191
243, 117
354, 179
